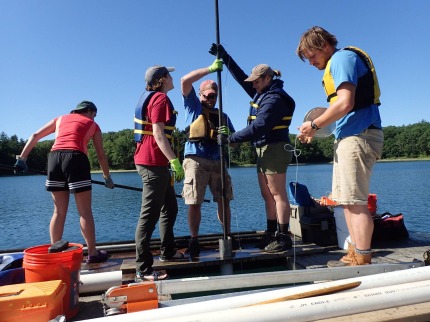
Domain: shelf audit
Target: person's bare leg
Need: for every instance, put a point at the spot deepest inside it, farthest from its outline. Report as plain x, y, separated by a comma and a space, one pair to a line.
194, 219
277, 187
61, 204
361, 226
269, 202
88, 230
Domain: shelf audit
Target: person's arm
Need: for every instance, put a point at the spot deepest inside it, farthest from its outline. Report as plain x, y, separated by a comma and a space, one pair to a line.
47, 129
342, 106
238, 74
193, 76
101, 155
162, 142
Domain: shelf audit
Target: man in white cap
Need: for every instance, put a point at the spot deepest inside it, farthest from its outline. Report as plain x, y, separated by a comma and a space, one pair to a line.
202, 163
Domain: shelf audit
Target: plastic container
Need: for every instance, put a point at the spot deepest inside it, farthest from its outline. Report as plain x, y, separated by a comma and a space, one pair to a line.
35, 302
39, 266
341, 228
319, 229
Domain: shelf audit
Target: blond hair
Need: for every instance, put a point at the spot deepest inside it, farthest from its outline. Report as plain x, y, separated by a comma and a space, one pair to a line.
314, 39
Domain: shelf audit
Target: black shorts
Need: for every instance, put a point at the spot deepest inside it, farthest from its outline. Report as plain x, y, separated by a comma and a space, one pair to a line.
68, 170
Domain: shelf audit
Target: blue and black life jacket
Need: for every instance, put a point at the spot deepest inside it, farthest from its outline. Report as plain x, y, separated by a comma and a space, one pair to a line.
142, 126
283, 124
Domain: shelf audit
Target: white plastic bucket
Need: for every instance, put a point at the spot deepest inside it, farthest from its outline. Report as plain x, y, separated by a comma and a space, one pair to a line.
341, 228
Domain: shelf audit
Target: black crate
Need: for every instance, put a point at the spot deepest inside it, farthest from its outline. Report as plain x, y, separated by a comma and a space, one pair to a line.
319, 229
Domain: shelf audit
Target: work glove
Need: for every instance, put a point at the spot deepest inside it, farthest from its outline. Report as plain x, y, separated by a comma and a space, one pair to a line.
222, 139
176, 167
218, 49
21, 164
216, 65
109, 182
224, 130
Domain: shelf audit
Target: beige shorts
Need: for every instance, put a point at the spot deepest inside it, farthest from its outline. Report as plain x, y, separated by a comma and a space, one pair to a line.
354, 158
274, 158
200, 173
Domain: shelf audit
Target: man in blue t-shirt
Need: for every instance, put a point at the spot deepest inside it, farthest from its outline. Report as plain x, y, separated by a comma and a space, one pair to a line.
202, 163
353, 92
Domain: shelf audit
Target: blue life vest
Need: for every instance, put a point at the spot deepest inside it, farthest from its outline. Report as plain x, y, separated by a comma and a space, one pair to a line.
283, 124
142, 126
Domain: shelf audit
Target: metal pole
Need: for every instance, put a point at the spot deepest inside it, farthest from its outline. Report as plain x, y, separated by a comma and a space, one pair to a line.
226, 244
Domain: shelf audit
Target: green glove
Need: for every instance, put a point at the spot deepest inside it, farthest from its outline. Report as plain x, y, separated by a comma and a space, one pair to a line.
224, 130
216, 65
176, 167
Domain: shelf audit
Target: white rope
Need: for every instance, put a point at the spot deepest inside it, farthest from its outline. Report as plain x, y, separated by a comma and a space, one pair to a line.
296, 153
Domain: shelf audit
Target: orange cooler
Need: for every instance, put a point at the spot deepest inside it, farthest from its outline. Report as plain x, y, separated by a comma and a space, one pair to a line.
35, 302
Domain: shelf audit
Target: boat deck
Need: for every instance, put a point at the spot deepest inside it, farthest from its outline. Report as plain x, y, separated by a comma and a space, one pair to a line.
249, 258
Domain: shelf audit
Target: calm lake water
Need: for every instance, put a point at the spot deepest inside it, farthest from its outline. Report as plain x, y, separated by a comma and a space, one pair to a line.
26, 208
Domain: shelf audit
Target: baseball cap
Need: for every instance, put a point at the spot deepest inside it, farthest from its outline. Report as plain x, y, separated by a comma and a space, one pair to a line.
85, 105
208, 86
156, 72
258, 71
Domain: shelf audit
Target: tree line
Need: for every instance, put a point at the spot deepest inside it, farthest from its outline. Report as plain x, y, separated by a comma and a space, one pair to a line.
407, 141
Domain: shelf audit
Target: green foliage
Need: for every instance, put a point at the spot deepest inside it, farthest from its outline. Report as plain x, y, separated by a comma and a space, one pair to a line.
408, 141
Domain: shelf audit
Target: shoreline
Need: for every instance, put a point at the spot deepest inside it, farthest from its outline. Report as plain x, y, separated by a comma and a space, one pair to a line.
253, 165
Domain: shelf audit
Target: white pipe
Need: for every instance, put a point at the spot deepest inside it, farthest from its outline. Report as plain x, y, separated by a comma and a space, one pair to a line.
377, 280
323, 307
99, 282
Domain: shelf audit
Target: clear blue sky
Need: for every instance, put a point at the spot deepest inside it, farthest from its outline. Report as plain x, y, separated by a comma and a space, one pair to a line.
56, 53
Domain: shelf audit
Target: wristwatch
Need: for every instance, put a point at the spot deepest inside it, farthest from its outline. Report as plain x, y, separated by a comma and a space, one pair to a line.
314, 126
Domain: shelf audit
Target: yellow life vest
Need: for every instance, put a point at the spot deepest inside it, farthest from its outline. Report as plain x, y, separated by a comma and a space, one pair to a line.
367, 91
205, 126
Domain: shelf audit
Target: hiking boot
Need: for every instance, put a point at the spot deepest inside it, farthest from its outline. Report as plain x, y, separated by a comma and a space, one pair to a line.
345, 260
357, 260
193, 248
266, 239
281, 243
177, 257
361, 259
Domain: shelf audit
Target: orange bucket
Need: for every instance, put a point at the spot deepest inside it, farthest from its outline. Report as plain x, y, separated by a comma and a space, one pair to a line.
40, 266
371, 203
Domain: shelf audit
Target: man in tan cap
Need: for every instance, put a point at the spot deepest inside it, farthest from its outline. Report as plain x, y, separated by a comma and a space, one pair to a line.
201, 156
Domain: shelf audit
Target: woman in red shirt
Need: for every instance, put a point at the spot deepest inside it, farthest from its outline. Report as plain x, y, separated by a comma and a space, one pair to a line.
154, 121
69, 170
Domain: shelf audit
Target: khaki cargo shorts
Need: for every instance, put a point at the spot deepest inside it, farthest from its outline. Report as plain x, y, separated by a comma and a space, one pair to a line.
200, 173
354, 158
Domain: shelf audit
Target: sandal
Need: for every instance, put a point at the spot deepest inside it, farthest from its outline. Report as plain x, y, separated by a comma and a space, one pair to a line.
153, 276
101, 256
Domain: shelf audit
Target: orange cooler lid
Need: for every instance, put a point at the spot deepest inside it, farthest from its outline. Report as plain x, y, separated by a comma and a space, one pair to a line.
17, 299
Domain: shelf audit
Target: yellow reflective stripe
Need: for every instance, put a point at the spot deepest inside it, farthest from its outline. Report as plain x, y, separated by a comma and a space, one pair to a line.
280, 127
141, 121
254, 105
285, 118
169, 128
143, 132
169, 136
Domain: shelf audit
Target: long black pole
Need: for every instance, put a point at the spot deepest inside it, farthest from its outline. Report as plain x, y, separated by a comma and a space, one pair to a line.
12, 168
220, 120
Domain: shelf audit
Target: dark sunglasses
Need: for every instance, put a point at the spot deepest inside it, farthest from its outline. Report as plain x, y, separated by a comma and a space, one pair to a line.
211, 96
